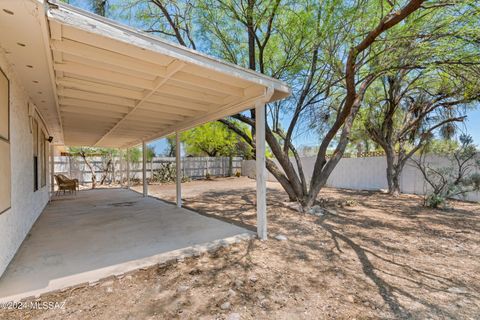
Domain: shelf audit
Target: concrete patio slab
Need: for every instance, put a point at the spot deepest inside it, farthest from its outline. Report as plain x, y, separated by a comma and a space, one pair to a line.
104, 232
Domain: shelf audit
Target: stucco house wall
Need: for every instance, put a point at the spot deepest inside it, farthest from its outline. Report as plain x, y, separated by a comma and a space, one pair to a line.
26, 204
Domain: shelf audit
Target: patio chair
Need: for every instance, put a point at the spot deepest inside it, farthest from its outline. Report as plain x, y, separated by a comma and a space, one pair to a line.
77, 185
66, 184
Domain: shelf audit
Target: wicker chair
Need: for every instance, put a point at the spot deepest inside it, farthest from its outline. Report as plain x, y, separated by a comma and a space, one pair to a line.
66, 184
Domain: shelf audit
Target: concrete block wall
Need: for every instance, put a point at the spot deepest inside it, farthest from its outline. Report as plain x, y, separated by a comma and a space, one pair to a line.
365, 174
26, 205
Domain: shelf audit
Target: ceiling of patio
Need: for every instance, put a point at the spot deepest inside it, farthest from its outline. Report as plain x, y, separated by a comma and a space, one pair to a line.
114, 86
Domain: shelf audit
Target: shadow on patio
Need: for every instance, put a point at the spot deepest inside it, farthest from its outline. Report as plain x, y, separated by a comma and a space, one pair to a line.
103, 232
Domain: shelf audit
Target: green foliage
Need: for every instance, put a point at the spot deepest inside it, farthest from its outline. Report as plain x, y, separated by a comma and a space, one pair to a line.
135, 154
440, 40
92, 151
167, 173
442, 146
212, 139
171, 146
359, 140
457, 179
435, 201
150, 153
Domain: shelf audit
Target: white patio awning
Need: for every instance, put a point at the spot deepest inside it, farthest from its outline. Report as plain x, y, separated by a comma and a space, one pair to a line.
99, 83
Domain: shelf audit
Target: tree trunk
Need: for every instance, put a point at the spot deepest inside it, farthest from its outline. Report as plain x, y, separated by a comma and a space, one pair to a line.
251, 35
151, 168
344, 122
323, 169
282, 179
105, 172
112, 178
94, 177
393, 173
230, 165
395, 187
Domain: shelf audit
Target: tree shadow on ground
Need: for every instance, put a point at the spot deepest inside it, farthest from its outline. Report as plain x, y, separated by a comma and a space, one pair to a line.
211, 276
368, 236
386, 290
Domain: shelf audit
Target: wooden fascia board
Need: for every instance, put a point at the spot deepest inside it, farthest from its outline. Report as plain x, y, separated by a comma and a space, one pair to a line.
94, 24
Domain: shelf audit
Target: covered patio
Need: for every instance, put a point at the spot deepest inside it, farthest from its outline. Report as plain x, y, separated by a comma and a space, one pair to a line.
104, 232
94, 82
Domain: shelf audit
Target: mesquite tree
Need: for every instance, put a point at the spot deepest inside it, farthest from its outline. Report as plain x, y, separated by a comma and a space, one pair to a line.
330, 52
349, 85
409, 107
106, 156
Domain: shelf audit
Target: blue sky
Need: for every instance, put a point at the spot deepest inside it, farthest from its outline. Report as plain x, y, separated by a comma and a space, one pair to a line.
473, 125
308, 138
159, 145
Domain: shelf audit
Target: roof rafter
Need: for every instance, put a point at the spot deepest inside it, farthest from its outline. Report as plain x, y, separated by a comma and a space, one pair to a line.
119, 86
172, 68
106, 56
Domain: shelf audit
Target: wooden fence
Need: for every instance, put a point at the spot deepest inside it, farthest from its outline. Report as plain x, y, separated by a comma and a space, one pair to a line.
192, 167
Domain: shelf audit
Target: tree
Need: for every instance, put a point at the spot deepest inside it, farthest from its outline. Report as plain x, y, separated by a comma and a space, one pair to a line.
457, 179
107, 155
330, 52
410, 107
171, 146
442, 146
86, 153
359, 140
135, 154
212, 139
150, 153
99, 7
355, 84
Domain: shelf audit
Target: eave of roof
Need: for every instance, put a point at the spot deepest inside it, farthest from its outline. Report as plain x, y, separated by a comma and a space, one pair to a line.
99, 83
87, 21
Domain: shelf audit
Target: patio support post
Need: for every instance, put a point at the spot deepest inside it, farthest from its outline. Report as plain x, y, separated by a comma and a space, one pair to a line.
178, 166
128, 169
260, 170
144, 169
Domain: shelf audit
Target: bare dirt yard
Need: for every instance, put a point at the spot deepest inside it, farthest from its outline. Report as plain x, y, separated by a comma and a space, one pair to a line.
370, 257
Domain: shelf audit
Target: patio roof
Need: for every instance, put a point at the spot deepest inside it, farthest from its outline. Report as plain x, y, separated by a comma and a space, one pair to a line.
99, 83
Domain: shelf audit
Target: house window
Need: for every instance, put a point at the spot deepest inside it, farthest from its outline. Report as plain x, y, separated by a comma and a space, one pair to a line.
35, 153
43, 159
5, 169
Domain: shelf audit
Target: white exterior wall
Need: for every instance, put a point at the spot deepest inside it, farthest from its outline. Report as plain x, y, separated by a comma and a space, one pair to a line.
365, 174
26, 205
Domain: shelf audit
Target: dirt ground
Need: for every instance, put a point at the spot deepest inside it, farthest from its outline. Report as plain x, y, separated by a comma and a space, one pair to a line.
376, 257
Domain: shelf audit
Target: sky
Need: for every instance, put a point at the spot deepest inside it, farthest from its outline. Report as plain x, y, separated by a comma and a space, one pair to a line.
473, 125
307, 138
159, 146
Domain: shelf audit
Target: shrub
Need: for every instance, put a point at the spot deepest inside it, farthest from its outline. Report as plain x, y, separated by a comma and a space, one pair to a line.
455, 180
166, 173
